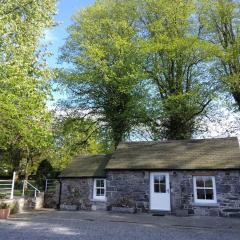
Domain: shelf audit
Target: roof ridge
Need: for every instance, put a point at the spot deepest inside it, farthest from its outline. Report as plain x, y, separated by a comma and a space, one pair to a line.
180, 140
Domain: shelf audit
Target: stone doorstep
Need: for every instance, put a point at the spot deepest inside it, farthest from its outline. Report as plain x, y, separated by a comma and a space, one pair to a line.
98, 205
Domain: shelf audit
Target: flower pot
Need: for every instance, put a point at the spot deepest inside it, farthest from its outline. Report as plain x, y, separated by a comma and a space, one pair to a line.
4, 213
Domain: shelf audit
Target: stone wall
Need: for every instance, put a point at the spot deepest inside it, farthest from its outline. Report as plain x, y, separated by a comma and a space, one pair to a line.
51, 198
228, 193
76, 193
21, 204
227, 188
135, 186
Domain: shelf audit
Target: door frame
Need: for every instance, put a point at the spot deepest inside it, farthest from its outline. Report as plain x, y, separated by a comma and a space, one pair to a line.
151, 189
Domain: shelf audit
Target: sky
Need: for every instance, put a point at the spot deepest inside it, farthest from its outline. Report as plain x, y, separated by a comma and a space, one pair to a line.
56, 36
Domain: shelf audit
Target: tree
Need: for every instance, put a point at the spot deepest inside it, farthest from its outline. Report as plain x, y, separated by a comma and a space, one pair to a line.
104, 82
174, 63
44, 171
220, 21
25, 124
73, 136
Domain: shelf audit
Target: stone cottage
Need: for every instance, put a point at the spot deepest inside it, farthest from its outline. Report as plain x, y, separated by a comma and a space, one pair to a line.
201, 177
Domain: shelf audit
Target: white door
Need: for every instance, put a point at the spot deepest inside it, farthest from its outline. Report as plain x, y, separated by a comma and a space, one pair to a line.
159, 191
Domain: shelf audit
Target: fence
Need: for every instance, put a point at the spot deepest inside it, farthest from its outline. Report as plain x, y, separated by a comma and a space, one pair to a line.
7, 187
32, 188
50, 185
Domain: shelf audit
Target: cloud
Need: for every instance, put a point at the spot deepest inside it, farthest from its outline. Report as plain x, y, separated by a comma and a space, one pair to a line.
49, 36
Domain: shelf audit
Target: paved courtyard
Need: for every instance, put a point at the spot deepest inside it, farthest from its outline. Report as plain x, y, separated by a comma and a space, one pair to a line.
53, 225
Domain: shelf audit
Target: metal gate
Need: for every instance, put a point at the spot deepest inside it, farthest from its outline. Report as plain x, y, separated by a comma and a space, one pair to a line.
7, 187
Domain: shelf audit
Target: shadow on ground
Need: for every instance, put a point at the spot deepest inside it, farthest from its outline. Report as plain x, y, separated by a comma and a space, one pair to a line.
53, 225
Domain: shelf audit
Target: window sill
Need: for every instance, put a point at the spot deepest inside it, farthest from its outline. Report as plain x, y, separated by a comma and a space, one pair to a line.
205, 204
98, 200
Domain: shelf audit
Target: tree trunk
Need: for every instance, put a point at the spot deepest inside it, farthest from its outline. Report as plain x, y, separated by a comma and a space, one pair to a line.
178, 129
236, 96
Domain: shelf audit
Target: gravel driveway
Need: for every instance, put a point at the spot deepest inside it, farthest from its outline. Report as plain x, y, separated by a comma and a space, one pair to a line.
52, 225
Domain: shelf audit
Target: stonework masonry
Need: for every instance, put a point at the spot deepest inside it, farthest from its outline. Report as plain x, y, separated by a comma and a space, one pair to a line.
135, 185
131, 184
77, 193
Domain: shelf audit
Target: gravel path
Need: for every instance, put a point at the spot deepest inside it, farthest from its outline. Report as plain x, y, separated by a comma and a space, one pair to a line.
54, 225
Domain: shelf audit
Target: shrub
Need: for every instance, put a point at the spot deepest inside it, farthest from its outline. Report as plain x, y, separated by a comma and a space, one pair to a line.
125, 201
3, 195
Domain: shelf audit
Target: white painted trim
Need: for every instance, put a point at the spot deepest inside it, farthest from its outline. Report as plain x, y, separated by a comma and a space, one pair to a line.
204, 201
168, 189
99, 198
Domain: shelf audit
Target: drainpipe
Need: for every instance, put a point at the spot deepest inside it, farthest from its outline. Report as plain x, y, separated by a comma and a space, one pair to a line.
60, 194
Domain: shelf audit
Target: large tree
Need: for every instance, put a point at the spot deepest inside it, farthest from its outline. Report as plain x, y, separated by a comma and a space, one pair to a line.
25, 128
104, 82
117, 48
220, 21
175, 65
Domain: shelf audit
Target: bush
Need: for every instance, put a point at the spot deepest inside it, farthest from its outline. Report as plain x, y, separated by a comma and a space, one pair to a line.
44, 171
3, 195
125, 202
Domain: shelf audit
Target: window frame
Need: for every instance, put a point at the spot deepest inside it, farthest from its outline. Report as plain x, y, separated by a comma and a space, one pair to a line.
95, 197
205, 201
160, 184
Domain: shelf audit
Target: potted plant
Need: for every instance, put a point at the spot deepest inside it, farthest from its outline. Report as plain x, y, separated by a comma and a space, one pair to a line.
5, 209
124, 205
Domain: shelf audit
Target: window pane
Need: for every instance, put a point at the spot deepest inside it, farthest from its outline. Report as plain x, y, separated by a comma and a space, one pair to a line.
162, 179
200, 194
102, 192
163, 188
98, 183
156, 188
102, 183
156, 179
199, 182
98, 192
208, 182
209, 194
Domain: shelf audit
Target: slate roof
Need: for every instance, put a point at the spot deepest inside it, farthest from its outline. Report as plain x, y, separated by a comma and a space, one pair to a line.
86, 166
222, 153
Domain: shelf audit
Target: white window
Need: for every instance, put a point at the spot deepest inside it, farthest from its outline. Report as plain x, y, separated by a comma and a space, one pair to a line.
204, 189
99, 191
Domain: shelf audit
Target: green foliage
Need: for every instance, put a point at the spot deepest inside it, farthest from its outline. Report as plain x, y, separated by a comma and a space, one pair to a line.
106, 56
25, 125
3, 195
74, 136
220, 21
7, 205
138, 64
44, 171
174, 64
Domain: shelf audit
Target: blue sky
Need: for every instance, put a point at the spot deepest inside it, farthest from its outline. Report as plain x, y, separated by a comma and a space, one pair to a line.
66, 8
